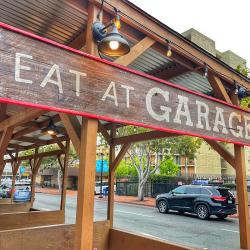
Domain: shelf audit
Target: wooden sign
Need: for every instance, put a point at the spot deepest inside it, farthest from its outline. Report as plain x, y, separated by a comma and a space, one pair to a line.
40, 73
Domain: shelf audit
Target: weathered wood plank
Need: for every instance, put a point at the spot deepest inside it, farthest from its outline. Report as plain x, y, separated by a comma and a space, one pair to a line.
123, 241
55, 78
58, 237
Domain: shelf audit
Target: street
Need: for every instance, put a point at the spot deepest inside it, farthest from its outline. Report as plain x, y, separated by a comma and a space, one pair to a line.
182, 229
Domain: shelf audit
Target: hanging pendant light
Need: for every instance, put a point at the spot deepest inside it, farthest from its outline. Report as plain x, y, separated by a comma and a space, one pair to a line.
113, 44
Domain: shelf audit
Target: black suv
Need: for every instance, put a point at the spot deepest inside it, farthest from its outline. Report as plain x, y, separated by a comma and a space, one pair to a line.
202, 200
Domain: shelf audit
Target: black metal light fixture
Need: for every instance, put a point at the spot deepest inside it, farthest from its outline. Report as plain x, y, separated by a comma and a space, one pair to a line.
110, 43
51, 129
205, 73
169, 52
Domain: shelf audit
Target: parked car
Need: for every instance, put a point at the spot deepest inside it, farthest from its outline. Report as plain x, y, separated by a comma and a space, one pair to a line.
105, 185
98, 186
22, 192
201, 200
5, 190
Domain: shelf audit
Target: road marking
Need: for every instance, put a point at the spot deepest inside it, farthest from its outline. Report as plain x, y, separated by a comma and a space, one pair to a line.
228, 230
144, 215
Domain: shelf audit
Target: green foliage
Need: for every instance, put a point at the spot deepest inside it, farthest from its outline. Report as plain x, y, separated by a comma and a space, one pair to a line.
184, 145
245, 102
52, 161
130, 130
125, 169
168, 168
243, 70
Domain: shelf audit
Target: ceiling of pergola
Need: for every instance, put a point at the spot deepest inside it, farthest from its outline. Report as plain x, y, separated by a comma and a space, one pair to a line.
62, 21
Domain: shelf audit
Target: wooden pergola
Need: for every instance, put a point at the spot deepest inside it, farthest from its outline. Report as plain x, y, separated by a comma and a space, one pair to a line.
51, 71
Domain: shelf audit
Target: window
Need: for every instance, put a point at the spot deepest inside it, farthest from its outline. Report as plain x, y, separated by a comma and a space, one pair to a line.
192, 190
177, 160
179, 190
205, 191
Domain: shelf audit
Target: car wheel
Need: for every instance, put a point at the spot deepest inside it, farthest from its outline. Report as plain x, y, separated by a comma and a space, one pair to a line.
163, 207
180, 212
202, 212
222, 217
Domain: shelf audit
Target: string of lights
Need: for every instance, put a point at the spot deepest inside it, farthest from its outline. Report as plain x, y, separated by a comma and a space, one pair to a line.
171, 44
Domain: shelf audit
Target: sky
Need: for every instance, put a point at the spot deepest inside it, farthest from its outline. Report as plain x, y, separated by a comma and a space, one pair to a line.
227, 22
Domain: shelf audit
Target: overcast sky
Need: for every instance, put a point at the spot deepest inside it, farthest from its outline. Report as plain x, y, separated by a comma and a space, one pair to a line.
225, 21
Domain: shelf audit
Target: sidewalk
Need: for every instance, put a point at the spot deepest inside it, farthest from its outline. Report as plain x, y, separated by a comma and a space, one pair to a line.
148, 202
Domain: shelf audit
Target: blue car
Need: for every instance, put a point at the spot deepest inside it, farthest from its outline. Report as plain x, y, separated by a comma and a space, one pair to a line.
22, 192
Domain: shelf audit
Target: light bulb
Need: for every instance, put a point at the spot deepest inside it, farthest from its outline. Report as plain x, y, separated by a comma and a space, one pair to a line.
117, 22
114, 45
51, 132
169, 52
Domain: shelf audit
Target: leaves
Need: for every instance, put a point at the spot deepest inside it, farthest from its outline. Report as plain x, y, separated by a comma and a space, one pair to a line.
168, 168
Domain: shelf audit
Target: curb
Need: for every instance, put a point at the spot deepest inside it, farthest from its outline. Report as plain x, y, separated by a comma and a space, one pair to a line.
127, 202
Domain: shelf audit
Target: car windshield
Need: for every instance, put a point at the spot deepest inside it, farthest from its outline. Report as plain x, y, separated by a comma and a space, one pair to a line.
22, 187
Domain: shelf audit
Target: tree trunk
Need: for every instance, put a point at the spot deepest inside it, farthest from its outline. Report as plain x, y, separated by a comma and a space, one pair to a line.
59, 180
141, 191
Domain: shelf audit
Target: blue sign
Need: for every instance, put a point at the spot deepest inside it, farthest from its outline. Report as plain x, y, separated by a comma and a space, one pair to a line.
102, 165
22, 170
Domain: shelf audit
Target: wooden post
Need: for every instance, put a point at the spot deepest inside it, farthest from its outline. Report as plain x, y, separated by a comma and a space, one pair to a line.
242, 196
15, 166
241, 187
86, 176
2, 166
110, 211
36, 164
86, 186
65, 175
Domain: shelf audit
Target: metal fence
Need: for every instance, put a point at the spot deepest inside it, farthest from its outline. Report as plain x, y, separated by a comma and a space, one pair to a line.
154, 187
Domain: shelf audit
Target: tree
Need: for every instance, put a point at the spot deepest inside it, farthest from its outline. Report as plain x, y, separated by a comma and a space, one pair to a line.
168, 167
184, 146
52, 161
125, 169
146, 162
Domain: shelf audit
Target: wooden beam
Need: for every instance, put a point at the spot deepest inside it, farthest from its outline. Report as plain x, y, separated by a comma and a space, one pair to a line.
110, 210
65, 176
86, 184
30, 139
72, 131
222, 151
59, 143
119, 157
21, 117
44, 154
36, 126
218, 88
3, 109
104, 132
4, 141
135, 51
79, 41
142, 137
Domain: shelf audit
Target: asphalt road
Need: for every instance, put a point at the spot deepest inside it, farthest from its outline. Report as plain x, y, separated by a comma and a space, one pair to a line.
183, 229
